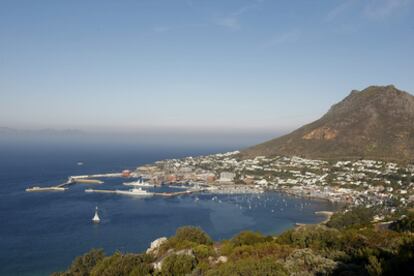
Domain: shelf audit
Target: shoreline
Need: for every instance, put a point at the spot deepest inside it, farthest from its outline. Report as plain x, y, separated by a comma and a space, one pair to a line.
326, 214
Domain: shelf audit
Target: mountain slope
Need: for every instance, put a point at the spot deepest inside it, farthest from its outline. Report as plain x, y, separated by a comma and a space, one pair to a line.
377, 123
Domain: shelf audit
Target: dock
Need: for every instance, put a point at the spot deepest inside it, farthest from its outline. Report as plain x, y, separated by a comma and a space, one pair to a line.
87, 181
46, 189
100, 191
65, 183
166, 194
76, 179
172, 194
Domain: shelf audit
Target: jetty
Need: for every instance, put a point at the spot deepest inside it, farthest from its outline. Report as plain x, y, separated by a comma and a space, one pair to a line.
58, 188
100, 191
46, 189
87, 181
77, 179
165, 194
172, 194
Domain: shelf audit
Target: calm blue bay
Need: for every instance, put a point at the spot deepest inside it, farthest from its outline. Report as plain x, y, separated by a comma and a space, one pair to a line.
43, 232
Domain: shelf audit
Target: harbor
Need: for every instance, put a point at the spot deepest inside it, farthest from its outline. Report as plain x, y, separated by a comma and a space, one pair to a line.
136, 187
79, 179
222, 208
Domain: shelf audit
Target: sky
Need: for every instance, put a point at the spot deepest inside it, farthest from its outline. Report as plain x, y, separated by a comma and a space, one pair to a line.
207, 66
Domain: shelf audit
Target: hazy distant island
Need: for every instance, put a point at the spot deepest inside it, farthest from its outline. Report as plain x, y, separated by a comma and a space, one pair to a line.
359, 154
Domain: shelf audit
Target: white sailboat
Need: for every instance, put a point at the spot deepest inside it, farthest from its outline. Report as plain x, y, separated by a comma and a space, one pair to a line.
96, 218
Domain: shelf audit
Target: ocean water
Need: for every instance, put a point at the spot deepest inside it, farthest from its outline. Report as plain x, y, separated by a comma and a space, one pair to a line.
43, 232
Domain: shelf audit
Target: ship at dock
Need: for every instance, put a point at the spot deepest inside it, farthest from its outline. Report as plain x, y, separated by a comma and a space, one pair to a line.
135, 192
139, 183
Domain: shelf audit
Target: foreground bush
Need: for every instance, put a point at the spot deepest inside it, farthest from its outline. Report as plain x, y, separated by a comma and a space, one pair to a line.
262, 250
249, 238
250, 267
178, 265
312, 236
356, 217
186, 237
306, 250
405, 224
83, 265
119, 264
203, 251
303, 261
192, 234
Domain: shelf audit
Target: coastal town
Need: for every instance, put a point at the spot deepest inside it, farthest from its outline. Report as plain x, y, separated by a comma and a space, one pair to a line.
359, 182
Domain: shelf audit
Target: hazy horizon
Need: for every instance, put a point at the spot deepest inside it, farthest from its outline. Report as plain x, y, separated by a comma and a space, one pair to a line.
165, 137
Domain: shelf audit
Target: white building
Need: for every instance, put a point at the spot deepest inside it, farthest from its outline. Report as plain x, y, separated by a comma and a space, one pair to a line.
227, 177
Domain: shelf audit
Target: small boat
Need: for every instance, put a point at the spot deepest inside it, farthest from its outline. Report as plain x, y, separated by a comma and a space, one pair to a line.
96, 218
80, 163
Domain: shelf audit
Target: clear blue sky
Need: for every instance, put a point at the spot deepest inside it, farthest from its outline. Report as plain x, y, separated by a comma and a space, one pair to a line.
195, 64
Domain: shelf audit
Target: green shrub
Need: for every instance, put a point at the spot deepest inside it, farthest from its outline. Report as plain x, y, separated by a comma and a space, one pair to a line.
314, 236
226, 248
374, 266
249, 267
82, 265
401, 263
192, 234
307, 250
203, 251
356, 217
306, 260
353, 240
178, 265
249, 238
405, 224
174, 243
262, 250
119, 264
186, 237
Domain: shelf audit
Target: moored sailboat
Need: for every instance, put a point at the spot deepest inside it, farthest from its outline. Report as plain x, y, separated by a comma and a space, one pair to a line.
96, 218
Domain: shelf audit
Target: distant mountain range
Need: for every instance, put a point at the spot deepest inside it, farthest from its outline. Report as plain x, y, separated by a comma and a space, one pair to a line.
375, 123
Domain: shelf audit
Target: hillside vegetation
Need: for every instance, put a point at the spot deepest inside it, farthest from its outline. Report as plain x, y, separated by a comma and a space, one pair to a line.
348, 245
